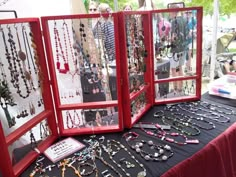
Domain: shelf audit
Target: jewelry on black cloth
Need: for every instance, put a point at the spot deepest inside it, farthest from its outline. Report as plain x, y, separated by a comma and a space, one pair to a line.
163, 135
111, 144
162, 152
196, 108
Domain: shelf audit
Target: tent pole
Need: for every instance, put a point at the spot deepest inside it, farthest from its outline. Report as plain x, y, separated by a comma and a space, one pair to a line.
214, 39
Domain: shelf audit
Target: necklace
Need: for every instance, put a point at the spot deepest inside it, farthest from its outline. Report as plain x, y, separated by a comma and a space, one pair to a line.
98, 155
16, 74
179, 122
195, 120
6, 96
161, 152
114, 147
198, 109
169, 137
60, 52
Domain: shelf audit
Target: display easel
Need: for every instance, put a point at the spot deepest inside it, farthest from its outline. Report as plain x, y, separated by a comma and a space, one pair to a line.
47, 113
133, 82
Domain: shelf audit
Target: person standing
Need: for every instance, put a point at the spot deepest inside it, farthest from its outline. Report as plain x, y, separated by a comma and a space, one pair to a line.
191, 23
178, 38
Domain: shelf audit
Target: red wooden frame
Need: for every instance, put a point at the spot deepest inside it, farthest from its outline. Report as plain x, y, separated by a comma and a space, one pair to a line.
53, 107
128, 120
8, 169
89, 105
196, 77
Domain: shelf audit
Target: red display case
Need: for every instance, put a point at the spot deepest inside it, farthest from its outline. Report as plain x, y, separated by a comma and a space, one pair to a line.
136, 68
165, 74
26, 99
85, 73
86, 85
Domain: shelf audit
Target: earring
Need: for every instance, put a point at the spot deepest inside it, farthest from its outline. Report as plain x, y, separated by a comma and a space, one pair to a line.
31, 108
39, 104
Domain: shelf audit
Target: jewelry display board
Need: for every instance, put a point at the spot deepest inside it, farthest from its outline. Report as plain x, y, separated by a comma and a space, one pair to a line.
136, 67
27, 114
176, 40
83, 57
102, 73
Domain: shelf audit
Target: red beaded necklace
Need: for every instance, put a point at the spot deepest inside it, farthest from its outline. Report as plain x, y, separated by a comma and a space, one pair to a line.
60, 53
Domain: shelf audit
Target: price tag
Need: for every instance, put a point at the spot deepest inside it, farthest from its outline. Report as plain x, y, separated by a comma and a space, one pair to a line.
63, 149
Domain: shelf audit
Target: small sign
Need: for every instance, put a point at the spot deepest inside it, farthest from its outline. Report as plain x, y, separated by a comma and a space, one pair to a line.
63, 149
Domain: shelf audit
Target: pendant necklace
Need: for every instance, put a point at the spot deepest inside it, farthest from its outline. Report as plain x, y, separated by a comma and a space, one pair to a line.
6, 96
60, 52
18, 74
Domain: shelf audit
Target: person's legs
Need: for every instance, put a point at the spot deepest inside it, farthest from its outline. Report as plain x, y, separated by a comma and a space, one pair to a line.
234, 65
227, 67
174, 74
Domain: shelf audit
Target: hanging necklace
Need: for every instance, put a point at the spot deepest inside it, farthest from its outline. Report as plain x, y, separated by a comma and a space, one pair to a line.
6, 96
70, 122
11, 65
27, 45
17, 76
22, 56
43, 130
161, 152
29, 55
60, 52
33, 141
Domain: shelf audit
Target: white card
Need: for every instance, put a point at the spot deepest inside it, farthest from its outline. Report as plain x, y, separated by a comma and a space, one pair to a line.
63, 149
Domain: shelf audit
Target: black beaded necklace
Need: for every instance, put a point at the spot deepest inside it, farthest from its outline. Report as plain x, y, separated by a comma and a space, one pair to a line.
18, 74
197, 108
180, 124
6, 96
196, 120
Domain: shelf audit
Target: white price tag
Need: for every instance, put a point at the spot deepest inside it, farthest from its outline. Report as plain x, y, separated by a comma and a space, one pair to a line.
63, 149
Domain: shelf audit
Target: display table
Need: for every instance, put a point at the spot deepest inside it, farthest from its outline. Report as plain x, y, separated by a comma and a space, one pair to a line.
214, 156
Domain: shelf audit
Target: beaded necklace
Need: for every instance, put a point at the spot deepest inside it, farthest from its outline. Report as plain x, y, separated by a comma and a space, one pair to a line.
195, 120
163, 135
16, 76
213, 113
178, 123
6, 96
60, 52
98, 155
114, 147
162, 152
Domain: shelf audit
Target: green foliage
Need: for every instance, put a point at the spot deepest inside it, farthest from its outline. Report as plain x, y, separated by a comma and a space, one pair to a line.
226, 7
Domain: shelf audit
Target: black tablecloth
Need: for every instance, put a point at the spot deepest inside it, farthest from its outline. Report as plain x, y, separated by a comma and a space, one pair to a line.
155, 169
218, 99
